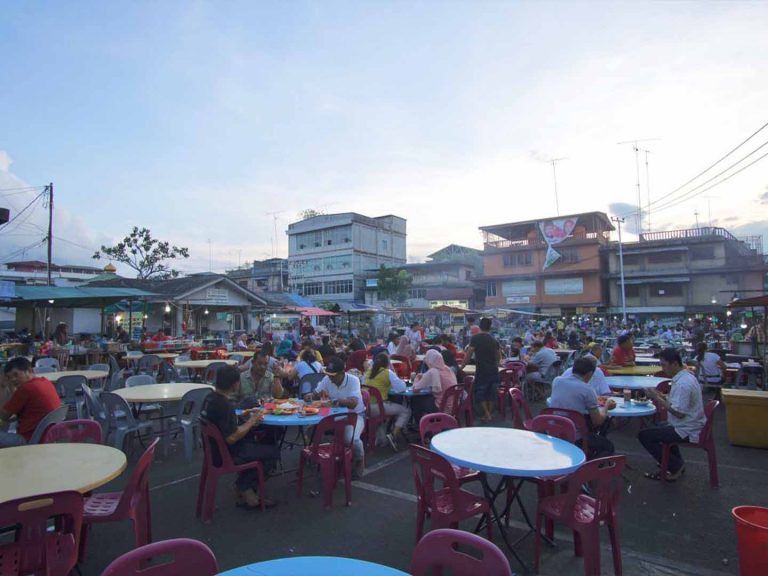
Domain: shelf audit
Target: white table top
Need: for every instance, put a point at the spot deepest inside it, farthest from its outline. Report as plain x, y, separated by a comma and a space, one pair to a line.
245, 353
89, 374
202, 363
170, 392
470, 369
633, 370
508, 451
44, 468
647, 361
634, 382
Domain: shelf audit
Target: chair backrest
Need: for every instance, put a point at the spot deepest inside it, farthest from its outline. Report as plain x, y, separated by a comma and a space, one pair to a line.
553, 371
432, 424
210, 372
664, 387
357, 360
333, 425
69, 386
709, 411
187, 557
439, 550
149, 363
605, 479
44, 369
114, 365
36, 548
312, 380
167, 372
47, 362
138, 484
79, 431
374, 393
62, 355
117, 410
553, 425
215, 450
452, 399
579, 421
431, 472
53, 417
191, 404
92, 404
239, 357
519, 403
104, 367
139, 380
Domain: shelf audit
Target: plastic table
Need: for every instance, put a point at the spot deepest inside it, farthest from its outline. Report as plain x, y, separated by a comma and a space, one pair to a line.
633, 370
200, 364
409, 392
470, 369
314, 566
44, 468
648, 361
635, 382
171, 392
296, 420
89, 374
628, 410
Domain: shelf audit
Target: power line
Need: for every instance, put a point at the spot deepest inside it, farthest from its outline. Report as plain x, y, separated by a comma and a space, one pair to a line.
21, 189
18, 251
35, 199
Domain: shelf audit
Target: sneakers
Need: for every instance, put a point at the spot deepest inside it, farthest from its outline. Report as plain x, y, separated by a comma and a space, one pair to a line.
392, 442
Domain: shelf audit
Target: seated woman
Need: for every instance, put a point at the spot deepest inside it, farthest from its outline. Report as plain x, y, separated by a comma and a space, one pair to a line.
285, 349
307, 364
384, 380
404, 348
437, 378
219, 410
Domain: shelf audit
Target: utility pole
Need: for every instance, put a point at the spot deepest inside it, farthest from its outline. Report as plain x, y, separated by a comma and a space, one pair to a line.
648, 187
636, 148
709, 209
696, 214
619, 222
554, 162
210, 256
274, 220
50, 229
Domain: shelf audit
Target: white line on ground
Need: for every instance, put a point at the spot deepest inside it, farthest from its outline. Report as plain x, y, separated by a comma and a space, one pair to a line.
387, 462
173, 483
699, 462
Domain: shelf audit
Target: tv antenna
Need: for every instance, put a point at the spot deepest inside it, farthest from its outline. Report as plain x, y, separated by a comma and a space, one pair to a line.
274, 220
554, 162
636, 148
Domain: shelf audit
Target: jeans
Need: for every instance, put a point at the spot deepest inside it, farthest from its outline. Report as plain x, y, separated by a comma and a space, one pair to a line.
599, 446
653, 440
7, 439
249, 451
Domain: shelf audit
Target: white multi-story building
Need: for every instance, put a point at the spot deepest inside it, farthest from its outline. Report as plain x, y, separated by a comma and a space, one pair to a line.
328, 255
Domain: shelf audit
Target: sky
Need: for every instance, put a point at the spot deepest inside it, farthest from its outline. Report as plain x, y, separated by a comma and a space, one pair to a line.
205, 121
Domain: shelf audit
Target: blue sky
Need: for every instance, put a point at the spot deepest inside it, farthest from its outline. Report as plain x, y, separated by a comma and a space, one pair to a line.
196, 119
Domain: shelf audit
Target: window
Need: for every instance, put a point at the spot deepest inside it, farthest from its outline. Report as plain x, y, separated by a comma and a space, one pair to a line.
524, 258
518, 288
631, 290
664, 257
338, 287
632, 259
665, 290
417, 293
509, 260
569, 255
563, 286
385, 245
490, 289
337, 263
336, 236
702, 253
312, 288
467, 274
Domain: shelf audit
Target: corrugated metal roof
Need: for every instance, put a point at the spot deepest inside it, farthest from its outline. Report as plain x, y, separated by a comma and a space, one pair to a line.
79, 295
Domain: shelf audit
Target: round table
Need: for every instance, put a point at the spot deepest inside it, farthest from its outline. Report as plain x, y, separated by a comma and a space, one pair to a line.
296, 420
151, 393
89, 374
470, 369
201, 364
633, 370
244, 353
44, 468
634, 382
314, 566
508, 451
409, 392
632, 409
648, 361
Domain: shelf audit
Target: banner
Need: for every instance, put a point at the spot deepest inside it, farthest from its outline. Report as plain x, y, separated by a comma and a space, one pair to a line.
554, 232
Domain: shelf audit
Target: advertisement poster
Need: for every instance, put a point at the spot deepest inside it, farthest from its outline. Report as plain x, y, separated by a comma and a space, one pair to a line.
554, 232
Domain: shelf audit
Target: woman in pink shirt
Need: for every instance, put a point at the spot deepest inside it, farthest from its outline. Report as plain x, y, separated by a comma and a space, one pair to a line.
438, 378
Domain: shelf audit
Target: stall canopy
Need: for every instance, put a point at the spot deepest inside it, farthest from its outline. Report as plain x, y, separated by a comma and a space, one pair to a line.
315, 312
74, 296
755, 302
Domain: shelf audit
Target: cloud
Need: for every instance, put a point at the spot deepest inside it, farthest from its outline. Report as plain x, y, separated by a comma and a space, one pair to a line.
763, 198
628, 212
5, 161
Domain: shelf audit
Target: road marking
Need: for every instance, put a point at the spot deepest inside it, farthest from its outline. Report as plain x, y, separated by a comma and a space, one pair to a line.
387, 462
174, 482
698, 462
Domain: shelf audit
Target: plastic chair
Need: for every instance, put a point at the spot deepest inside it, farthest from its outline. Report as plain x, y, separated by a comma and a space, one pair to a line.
239, 357
451, 400
37, 549
332, 457
210, 372
103, 367
519, 403
116, 375
661, 415
585, 514
372, 422
509, 380
439, 550
467, 409
217, 461
706, 442
48, 362
309, 382
432, 424
188, 418
139, 380
70, 390
120, 419
44, 369
53, 417
189, 557
149, 364
579, 421
62, 356
356, 360
168, 373
132, 504
96, 410
79, 431
439, 495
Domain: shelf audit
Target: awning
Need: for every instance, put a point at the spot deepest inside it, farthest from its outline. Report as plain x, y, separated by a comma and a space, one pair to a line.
750, 302
75, 297
657, 280
315, 312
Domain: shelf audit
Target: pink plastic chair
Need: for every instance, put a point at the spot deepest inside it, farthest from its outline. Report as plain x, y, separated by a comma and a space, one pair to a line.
585, 514
189, 558
706, 442
356, 360
661, 415
217, 461
439, 550
519, 403
507, 382
467, 409
333, 457
79, 431
431, 424
35, 550
131, 504
452, 400
439, 495
372, 422
578, 420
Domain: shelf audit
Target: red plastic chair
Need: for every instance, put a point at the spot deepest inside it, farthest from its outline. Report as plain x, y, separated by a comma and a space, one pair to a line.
432, 424
34, 549
467, 410
372, 422
403, 368
332, 457
585, 514
661, 414
439, 550
217, 461
578, 420
131, 504
519, 403
79, 431
706, 442
439, 495
502, 392
356, 360
452, 400
188, 557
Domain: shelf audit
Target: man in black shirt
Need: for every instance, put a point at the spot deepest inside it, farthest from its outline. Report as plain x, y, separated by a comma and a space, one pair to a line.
219, 410
325, 349
487, 354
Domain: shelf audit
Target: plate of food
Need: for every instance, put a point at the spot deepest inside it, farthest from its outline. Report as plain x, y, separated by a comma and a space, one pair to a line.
641, 402
311, 410
283, 411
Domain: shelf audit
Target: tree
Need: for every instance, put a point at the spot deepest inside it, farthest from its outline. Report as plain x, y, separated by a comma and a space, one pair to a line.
144, 254
393, 284
309, 213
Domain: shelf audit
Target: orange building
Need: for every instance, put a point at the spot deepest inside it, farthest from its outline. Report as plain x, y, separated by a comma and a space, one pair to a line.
552, 266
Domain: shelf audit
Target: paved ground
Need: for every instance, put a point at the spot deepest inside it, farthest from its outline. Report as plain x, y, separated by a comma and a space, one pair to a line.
683, 528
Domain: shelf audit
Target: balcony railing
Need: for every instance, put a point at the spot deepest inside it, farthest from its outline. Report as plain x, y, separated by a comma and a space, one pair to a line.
494, 241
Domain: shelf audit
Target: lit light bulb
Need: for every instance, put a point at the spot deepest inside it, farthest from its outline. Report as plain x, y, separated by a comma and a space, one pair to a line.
206, 311
167, 308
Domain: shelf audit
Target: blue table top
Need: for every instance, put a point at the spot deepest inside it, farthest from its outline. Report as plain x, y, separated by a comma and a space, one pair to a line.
634, 382
508, 451
629, 410
314, 566
410, 392
296, 420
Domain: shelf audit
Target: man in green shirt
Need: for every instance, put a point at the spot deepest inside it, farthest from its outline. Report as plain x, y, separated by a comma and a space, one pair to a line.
259, 382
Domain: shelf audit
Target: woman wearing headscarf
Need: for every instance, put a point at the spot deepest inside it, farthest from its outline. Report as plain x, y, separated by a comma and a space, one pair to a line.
437, 378
404, 348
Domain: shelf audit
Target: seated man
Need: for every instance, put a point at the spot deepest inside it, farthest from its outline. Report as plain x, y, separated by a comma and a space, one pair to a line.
344, 389
219, 411
32, 398
686, 414
541, 359
573, 392
259, 382
624, 353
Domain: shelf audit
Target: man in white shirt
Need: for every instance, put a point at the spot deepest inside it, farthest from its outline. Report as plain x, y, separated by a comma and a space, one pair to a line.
686, 415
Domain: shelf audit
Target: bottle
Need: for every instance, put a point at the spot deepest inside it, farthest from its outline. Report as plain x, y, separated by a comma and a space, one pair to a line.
627, 395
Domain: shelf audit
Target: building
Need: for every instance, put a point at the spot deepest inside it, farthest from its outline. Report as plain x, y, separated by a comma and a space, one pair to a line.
329, 254
267, 275
447, 278
685, 272
552, 266
36, 272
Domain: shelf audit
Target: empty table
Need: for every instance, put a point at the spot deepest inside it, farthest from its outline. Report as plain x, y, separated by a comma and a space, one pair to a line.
151, 393
89, 374
314, 566
44, 468
201, 364
634, 382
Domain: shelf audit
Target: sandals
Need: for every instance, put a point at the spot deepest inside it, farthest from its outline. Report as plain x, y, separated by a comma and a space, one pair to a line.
670, 477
